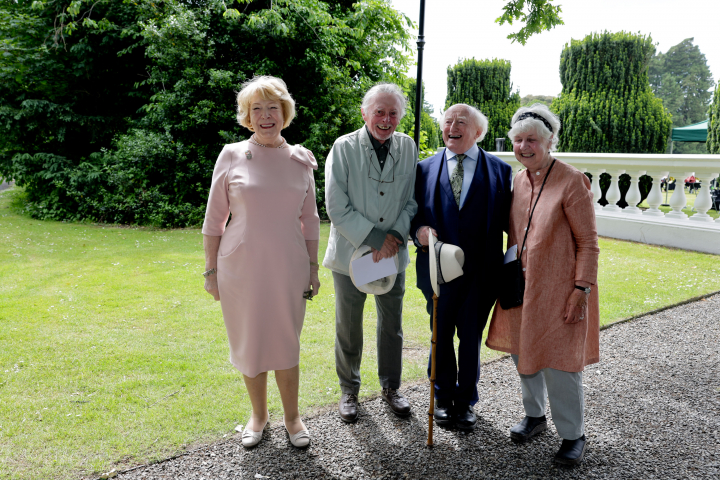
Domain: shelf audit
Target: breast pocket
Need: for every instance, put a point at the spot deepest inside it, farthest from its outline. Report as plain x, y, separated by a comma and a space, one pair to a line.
401, 188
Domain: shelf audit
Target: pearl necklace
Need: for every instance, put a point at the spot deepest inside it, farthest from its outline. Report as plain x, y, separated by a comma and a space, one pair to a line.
252, 140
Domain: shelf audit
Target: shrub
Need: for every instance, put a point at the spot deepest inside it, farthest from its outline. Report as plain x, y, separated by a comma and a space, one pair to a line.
485, 84
606, 104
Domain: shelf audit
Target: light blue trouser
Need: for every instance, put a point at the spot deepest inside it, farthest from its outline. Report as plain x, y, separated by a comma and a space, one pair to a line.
567, 401
349, 303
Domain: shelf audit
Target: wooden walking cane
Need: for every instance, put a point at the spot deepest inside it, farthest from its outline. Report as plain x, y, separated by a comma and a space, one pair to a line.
431, 411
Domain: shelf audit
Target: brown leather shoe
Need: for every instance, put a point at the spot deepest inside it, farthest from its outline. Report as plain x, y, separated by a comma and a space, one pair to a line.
398, 404
348, 407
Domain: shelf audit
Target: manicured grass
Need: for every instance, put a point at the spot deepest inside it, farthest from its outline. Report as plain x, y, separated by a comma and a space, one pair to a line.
112, 353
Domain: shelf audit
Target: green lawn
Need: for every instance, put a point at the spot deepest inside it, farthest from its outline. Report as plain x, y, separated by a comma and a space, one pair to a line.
112, 353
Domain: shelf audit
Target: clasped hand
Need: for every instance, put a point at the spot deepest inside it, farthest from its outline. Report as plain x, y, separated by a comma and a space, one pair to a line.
390, 248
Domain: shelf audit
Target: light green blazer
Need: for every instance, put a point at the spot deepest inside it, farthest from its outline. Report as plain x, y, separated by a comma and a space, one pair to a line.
359, 197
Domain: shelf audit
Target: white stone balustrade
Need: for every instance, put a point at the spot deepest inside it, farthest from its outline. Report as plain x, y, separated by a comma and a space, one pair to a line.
698, 231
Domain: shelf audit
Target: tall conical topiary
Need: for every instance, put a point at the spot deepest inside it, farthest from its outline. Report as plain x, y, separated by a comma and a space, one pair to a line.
606, 104
713, 138
484, 84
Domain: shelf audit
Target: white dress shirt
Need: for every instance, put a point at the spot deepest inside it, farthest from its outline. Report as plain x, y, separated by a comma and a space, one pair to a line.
469, 164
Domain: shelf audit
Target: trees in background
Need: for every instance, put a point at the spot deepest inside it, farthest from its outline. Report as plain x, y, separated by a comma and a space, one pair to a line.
713, 139
430, 133
682, 79
606, 104
484, 84
116, 111
528, 100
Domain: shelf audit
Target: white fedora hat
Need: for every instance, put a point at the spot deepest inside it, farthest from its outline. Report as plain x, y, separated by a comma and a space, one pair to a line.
380, 286
445, 264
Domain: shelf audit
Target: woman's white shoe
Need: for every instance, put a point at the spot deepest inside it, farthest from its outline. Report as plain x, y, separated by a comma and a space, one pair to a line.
301, 439
250, 438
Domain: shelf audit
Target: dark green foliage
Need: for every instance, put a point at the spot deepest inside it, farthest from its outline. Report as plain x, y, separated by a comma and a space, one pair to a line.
682, 79
528, 100
121, 119
485, 84
540, 15
430, 134
713, 139
606, 104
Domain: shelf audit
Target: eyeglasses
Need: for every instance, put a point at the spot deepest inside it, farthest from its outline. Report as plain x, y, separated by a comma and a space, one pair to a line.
379, 113
370, 172
308, 295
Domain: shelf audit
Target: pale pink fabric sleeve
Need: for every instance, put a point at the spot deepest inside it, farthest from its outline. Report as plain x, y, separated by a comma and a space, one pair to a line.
218, 206
580, 212
309, 218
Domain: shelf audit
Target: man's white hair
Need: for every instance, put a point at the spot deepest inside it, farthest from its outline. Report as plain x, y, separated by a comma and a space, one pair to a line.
478, 118
533, 124
389, 88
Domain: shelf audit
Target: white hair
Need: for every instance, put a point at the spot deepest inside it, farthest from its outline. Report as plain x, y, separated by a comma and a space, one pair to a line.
533, 124
388, 88
478, 118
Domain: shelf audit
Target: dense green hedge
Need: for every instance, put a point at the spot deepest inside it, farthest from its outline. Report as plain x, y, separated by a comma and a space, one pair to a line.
116, 111
484, 84
713, 139
606, 104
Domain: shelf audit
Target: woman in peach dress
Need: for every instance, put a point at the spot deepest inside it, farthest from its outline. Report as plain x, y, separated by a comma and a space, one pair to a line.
263, 265
555, 332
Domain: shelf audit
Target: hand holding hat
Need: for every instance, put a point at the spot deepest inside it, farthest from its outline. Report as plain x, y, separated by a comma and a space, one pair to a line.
446, 262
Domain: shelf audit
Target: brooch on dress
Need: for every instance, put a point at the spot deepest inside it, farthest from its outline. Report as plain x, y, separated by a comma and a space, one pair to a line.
248, 154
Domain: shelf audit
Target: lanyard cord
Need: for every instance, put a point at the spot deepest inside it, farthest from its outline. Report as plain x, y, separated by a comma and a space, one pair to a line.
527, 230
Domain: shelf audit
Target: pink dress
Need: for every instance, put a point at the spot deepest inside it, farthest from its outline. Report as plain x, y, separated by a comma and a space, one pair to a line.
263, 263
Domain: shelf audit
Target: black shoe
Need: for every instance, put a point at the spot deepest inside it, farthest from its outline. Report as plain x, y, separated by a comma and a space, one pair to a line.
465, 418
398, 404
443, 412
348, 407
528, 428
571, 452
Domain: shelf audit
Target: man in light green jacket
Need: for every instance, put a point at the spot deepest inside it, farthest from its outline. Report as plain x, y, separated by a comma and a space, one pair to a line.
369, 197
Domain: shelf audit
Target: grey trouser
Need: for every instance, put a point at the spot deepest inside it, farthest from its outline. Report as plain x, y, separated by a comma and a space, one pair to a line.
349, 303
567, 401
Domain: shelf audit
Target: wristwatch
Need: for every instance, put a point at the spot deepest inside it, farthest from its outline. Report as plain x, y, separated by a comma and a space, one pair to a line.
586, 290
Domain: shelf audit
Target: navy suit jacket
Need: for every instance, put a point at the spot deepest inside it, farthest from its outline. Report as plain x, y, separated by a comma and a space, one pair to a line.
477, 228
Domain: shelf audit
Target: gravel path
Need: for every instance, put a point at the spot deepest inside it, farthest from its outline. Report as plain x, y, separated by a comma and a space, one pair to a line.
652, 411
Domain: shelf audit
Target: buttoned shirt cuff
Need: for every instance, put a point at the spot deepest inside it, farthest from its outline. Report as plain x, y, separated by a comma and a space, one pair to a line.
375, 239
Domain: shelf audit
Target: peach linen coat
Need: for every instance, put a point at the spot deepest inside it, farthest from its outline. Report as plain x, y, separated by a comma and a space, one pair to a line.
263, 264
561, 247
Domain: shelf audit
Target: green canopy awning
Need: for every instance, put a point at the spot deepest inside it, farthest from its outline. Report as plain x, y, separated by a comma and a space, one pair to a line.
697, 132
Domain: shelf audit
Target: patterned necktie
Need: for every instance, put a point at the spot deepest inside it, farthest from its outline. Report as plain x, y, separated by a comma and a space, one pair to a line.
457, 178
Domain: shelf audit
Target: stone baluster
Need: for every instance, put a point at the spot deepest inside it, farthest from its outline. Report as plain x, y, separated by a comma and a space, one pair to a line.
613, 194
678, 199
632, 197
595, 187
655, 197
703, 202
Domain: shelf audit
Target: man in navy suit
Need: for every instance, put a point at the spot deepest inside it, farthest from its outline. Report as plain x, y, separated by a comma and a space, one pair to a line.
463, 195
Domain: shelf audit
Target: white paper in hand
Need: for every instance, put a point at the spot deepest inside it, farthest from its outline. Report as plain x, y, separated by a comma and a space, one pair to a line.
511, 254
366, 271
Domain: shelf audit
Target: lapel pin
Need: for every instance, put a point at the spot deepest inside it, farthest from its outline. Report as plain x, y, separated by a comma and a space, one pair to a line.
248, 154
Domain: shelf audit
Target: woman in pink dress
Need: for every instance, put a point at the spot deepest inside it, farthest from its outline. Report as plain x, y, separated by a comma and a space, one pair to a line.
263, 265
